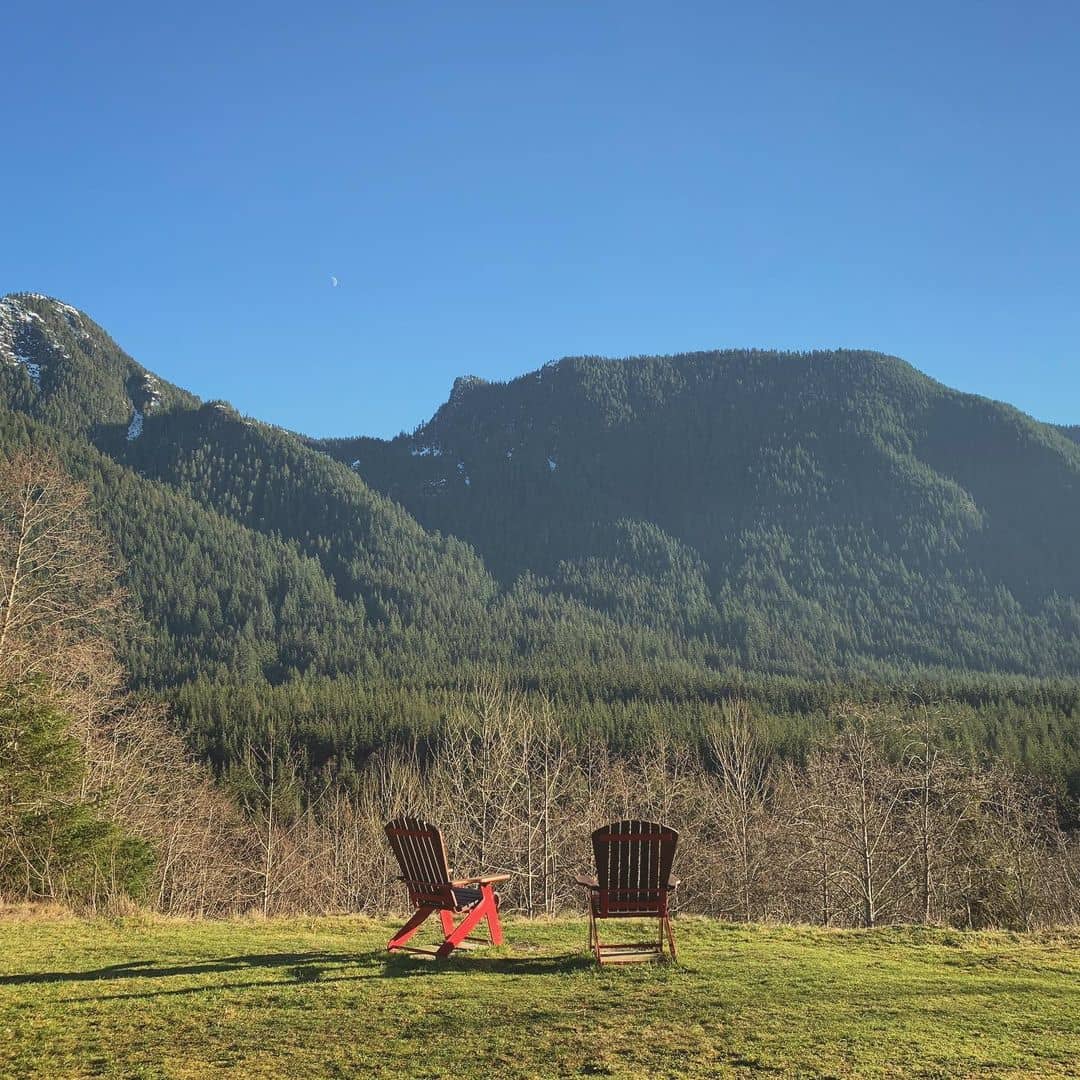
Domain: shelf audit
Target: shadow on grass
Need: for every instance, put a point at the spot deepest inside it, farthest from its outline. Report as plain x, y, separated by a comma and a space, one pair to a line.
306, 967
304, 963
404, 965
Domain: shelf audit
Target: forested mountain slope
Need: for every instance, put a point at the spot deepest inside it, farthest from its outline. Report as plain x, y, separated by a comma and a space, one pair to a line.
801, 511
817, 514
253, 556
60, 367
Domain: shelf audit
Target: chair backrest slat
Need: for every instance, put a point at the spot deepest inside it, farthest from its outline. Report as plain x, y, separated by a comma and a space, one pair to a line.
633, 865
421, 854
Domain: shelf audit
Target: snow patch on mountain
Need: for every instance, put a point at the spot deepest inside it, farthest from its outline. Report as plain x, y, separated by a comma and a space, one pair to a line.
13, 311
145, 396
151, 392
19, 329
72, 315
32, 369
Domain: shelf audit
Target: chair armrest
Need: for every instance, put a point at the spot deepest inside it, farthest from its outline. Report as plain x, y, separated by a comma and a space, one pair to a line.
586, 882
483, 879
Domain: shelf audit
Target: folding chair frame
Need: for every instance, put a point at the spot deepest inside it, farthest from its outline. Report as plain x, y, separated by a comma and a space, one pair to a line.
632, 949
633, 861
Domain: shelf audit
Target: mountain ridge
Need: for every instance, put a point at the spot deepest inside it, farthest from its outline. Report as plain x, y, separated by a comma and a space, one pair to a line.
219, 519
799, 512
839, 441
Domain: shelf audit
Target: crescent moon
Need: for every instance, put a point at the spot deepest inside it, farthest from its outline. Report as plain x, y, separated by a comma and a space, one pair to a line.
333, 282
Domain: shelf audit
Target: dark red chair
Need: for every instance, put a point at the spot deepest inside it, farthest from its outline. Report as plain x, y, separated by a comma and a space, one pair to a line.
633, 881
421, 854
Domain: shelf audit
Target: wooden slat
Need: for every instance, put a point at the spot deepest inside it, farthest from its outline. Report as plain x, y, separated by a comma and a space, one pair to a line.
633, 863
420, 852
631, 952
632, 874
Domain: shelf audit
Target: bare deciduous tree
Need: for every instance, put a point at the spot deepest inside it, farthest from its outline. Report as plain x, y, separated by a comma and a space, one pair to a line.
739, 799
61, 614
60, 603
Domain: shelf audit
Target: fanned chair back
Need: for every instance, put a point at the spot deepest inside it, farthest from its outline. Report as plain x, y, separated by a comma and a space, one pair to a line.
421, 854
633, 868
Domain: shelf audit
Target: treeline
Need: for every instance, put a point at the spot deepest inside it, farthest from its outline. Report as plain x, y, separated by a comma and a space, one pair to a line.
880, 823
330, 726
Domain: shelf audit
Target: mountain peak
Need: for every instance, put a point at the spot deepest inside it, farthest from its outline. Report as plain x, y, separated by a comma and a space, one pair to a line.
60, 366
28, 338
463, 386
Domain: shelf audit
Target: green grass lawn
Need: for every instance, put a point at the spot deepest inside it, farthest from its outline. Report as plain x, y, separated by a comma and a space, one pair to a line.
144, 997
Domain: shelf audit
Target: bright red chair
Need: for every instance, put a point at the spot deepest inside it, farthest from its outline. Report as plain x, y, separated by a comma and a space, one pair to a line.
421, 854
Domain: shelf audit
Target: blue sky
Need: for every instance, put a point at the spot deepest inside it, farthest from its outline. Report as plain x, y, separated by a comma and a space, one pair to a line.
495, 186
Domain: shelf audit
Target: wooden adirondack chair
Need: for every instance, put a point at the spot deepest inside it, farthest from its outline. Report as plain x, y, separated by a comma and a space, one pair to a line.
421, 853
633, 881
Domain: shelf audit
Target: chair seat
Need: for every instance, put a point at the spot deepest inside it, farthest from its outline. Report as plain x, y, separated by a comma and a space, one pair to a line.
464, 898
629, 909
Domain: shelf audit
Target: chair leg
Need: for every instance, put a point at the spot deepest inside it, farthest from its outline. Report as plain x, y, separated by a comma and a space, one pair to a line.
596, 937
670, 936
409, 928
447, 918
492, 904
464, 928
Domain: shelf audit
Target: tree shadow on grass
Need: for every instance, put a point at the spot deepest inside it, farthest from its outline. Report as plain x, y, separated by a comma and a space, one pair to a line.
305, 963
303, 967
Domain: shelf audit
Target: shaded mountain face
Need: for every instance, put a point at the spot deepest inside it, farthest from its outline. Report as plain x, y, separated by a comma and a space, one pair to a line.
807, 514
795, 509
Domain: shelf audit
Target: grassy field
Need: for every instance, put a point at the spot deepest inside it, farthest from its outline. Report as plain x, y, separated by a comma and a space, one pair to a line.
143, 997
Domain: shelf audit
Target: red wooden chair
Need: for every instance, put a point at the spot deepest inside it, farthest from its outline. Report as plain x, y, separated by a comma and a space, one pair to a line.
421, 853
633, 881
